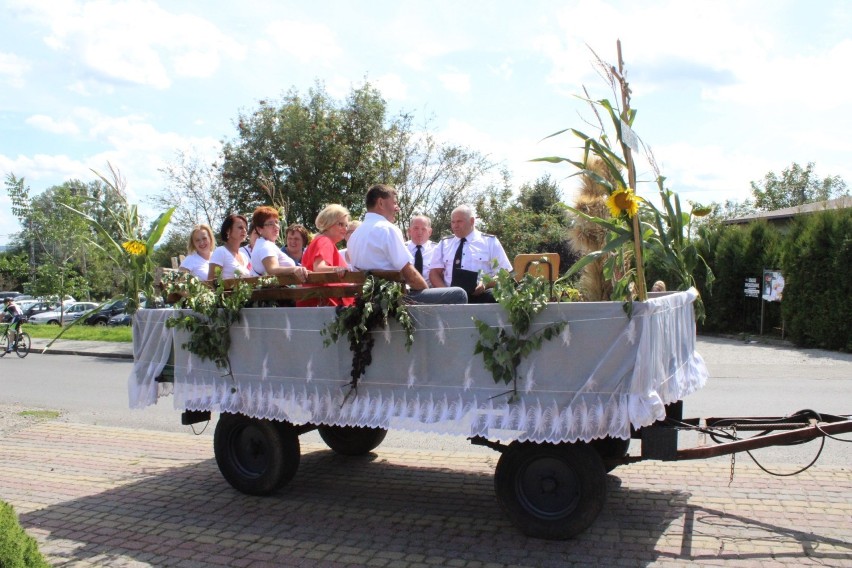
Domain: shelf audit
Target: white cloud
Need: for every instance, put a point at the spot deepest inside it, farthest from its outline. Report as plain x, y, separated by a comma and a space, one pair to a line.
49, 124
134, 41
815, 81
13, 68
504, 70
456, 82
305, 41
392, 87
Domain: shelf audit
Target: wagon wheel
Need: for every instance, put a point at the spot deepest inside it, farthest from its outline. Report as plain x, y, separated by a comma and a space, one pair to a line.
610, 449
550, 491
255, 456
352, 440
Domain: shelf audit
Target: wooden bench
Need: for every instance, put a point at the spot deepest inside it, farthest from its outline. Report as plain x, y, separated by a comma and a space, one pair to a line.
290, 288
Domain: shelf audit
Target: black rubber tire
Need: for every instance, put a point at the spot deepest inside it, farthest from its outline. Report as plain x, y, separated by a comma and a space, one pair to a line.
550, 491
22, 349
4, 344
610, 448
352, 440
53, 322
100, 323
255, 456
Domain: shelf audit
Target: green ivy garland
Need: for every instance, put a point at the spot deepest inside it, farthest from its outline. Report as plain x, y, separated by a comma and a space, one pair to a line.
379, 301
502, 351
214, 310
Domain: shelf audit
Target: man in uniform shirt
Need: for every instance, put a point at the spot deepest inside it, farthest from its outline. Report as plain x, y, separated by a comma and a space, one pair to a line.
463, 258
419, 244
377, 244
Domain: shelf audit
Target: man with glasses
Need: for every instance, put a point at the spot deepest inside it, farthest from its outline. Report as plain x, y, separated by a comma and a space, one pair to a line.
377, 244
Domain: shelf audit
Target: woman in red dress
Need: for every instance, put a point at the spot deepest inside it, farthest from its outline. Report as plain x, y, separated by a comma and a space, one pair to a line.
322, 254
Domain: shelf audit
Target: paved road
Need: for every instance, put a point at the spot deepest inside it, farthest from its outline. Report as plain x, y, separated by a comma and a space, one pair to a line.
103, 486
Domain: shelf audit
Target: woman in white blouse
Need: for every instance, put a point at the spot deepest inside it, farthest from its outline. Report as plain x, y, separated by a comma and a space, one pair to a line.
229, 258
199, 248
266, 257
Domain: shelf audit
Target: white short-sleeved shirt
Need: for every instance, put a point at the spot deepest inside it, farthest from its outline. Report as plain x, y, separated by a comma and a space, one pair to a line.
377, 244
479, 252
427, 249
265, 249
232, 266
196, 265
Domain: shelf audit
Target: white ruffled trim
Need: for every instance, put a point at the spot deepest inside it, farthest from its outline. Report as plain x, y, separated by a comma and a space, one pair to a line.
649, 361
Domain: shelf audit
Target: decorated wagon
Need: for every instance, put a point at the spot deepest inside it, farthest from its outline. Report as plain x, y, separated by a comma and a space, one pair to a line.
579, 399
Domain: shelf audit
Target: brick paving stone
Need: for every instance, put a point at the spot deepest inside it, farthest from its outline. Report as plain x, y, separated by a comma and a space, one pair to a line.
110, 497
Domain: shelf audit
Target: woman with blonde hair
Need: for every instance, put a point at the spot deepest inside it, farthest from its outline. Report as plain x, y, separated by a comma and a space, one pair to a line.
322, 254
199, 248
266, 257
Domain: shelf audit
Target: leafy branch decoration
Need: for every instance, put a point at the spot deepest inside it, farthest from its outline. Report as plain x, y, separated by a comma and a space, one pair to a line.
379, 302
503, 351
213, 311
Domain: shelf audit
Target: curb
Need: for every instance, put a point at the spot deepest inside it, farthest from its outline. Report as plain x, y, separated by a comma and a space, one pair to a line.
82, 353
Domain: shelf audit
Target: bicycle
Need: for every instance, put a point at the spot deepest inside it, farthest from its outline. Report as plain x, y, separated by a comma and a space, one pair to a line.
21, 345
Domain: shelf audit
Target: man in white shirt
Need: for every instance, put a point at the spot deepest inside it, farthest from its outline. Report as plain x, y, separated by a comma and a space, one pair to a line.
463, 258
377, 244
419, 244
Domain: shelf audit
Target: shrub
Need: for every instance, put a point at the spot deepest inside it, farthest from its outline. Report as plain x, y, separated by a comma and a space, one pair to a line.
17, 548
817, 303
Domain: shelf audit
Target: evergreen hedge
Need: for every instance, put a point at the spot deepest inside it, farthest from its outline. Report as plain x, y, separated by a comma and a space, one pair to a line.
17, 548
817, 265
813, 253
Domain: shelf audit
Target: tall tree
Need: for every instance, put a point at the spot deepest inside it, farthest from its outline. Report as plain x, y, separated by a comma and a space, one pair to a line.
308, 152
194, 186
795, 186
311, 150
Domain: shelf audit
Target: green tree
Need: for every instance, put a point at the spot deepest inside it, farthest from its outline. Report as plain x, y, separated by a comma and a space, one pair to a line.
55, 236
307, 152
795, 186
535, 221
14, 270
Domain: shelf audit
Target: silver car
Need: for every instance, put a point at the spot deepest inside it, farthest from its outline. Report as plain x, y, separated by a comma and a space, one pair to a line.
71, 313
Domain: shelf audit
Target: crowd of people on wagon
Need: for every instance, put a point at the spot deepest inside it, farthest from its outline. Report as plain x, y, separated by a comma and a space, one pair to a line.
445, 272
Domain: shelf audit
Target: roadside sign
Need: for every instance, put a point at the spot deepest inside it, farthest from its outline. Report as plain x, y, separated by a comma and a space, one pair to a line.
752, 288
773, 285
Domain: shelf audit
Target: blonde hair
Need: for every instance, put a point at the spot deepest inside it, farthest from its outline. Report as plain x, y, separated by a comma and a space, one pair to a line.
329, 216
190, 247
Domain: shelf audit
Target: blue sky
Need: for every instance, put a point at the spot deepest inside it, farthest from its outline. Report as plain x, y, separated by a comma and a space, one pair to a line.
726, 91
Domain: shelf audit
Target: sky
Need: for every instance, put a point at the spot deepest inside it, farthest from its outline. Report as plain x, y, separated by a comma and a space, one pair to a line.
725, 91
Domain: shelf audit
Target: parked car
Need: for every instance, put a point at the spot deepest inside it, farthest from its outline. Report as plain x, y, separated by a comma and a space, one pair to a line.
4, 295
120, 319
101, 317
71, 313
38, 307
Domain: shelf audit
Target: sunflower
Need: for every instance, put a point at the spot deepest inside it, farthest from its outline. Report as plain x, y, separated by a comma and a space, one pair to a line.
135, 247
623, 200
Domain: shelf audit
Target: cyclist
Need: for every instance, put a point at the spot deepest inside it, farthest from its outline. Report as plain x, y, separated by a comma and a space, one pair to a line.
11, 308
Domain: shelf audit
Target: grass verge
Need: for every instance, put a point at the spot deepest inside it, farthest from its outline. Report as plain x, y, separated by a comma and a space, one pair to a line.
121, 334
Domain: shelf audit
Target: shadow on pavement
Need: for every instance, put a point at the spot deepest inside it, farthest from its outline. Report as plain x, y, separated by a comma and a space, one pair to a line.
337, 511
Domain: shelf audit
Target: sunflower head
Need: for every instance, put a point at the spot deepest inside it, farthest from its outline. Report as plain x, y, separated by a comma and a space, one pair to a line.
623, 200
134, 247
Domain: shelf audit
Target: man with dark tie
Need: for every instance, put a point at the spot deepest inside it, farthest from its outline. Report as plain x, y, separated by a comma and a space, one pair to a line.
462, 259
419, 245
